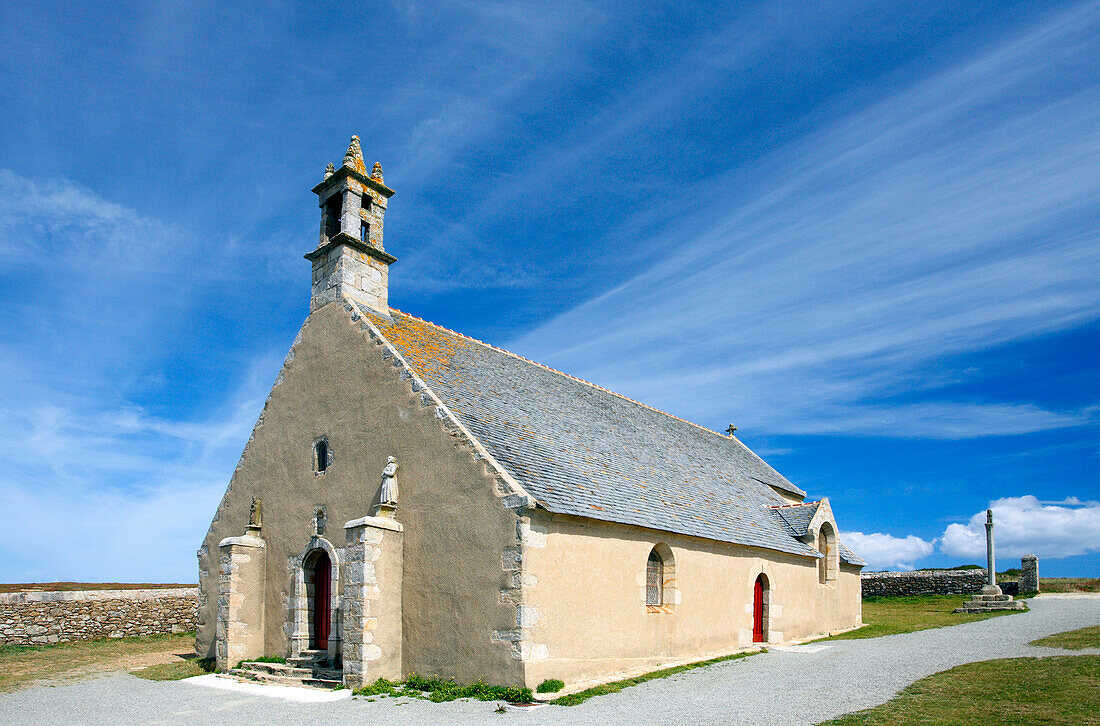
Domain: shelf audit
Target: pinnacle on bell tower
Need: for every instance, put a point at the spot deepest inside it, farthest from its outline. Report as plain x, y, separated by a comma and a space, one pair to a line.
349, 260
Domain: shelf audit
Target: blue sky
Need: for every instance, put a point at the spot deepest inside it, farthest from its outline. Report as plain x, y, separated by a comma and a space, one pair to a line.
866, 233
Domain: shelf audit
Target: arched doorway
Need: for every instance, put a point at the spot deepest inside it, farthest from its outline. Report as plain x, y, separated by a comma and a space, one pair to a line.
759, 609
319, 614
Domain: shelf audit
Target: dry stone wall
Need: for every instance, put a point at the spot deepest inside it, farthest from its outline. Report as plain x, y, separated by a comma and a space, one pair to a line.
28, 618
923, 582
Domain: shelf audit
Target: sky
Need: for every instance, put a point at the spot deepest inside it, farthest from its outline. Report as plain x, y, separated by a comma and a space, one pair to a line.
867, 234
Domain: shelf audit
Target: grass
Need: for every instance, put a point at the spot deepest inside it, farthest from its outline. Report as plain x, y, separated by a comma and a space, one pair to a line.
1072, 640
439, 690
176, 670
580, 697
21, 665
67, 586
1008, 692
1069, 584
893, 615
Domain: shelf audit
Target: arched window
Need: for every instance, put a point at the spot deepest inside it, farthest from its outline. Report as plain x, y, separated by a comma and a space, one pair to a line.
654, 579
321, 456
826, 544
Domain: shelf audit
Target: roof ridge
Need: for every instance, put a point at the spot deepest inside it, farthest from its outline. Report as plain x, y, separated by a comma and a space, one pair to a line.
567, 375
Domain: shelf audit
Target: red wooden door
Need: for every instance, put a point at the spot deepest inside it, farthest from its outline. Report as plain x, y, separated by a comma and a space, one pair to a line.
758, 611
322, 595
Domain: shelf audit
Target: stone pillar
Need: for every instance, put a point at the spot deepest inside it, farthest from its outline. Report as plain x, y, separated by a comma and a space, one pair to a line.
240, 628
371, 600
991, 561
1029, 574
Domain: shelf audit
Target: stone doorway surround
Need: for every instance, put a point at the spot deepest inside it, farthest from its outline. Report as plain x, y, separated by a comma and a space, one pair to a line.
301, 598
772, 609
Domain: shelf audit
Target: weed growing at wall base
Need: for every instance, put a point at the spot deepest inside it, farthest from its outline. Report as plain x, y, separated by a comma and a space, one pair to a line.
550, 685
439, 690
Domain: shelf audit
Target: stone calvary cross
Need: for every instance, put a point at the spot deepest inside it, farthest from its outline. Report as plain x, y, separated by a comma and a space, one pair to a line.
991, 597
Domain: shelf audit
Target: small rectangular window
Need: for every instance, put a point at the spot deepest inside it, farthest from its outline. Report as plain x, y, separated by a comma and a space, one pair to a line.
364, 232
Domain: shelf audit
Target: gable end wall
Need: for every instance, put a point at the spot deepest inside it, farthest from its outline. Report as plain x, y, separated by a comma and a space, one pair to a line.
342, 381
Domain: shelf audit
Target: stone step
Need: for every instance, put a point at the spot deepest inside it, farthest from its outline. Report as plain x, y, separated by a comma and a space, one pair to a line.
261, 677
310, 660
993, 598
990, 606
278, 669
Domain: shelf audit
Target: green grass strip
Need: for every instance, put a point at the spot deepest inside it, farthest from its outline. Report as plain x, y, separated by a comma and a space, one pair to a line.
614, 687
1058, 690
1073, 639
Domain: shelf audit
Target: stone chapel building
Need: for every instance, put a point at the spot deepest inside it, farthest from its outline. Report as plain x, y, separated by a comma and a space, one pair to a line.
414, 500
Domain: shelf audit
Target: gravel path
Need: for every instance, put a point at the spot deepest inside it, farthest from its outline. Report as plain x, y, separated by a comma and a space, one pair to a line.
801, 685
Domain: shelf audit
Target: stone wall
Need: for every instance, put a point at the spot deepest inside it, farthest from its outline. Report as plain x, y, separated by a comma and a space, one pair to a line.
64, 616
923, 582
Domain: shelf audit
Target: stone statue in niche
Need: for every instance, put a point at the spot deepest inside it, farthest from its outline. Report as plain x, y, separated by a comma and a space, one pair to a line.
389, 483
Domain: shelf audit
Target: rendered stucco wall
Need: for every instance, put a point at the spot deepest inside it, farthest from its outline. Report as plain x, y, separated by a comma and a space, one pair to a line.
337, 384
586, 599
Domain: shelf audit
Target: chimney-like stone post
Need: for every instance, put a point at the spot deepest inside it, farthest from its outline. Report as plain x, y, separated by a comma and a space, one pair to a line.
1029, 574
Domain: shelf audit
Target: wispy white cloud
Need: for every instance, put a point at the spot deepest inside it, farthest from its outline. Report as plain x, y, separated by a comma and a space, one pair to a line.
121, 493
1025, 525
96, 485
948, 218
884, 551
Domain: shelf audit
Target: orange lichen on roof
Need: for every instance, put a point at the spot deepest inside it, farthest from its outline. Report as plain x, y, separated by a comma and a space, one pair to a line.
419, 341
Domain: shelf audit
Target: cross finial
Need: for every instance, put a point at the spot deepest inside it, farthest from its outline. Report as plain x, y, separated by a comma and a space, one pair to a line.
730, 429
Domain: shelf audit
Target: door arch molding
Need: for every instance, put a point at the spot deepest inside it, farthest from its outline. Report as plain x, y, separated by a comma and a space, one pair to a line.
301, 605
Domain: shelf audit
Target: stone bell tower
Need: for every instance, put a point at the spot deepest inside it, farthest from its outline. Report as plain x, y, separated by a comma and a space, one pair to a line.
349, 260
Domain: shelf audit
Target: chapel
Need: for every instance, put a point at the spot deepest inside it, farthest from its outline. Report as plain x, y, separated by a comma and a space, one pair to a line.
413, 500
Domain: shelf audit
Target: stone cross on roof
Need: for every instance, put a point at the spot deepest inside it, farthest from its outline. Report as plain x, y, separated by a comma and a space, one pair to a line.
730, 429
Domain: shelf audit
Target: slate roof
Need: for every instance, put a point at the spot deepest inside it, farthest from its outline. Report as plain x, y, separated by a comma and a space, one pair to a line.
580, 449
798, 518
846, 555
